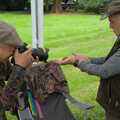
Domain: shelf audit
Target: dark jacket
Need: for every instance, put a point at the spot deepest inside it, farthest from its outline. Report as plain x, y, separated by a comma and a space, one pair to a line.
9, 91
108, 70
109, 90
42, 79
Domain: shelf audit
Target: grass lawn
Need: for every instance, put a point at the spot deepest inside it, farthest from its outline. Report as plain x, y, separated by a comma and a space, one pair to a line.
67, 34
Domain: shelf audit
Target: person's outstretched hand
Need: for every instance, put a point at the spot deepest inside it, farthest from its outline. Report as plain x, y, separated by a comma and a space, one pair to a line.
71, 59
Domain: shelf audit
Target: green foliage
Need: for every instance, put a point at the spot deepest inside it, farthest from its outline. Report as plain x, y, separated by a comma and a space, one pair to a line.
93, 5
48, 5
89, 5
13, 4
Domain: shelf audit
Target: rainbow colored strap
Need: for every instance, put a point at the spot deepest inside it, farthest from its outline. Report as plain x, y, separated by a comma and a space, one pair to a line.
32, 104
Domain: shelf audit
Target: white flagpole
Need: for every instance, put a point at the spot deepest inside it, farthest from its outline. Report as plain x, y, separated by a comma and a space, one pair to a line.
37, 23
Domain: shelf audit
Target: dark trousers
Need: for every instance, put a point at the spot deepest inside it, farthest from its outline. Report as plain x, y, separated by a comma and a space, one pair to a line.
55, 108
110, 117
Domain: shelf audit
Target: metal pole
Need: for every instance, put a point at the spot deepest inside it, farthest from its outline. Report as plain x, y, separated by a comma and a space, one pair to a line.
37, 23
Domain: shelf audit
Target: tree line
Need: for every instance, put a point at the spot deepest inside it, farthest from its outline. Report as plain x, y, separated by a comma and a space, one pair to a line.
55, 5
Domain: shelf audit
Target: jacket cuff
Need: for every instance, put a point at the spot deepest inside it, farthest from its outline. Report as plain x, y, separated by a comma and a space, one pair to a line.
82, 64
76, 63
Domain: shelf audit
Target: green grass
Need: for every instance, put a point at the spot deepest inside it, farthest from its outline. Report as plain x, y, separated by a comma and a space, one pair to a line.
67, 34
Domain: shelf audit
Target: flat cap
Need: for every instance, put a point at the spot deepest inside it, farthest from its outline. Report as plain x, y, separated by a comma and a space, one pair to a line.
112, 8
9, 36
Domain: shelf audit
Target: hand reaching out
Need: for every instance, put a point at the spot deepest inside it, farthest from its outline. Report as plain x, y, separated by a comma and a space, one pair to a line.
71, 59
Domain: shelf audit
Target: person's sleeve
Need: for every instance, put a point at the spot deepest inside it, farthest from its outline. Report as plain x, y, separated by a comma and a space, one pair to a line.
13, 85
105, 70
99, 60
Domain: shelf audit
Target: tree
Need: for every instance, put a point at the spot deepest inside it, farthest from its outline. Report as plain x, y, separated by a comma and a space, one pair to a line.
48, 5
57, 8
13, 4
92, 5
54, 5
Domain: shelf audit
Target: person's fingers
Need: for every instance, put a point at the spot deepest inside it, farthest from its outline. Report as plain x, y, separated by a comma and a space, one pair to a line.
69, 58
16, 51
58, 61
32, 59
64, 61
28, 51
64, 58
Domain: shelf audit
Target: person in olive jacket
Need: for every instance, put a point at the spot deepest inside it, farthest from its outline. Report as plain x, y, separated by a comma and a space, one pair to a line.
107, 68
9, 40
